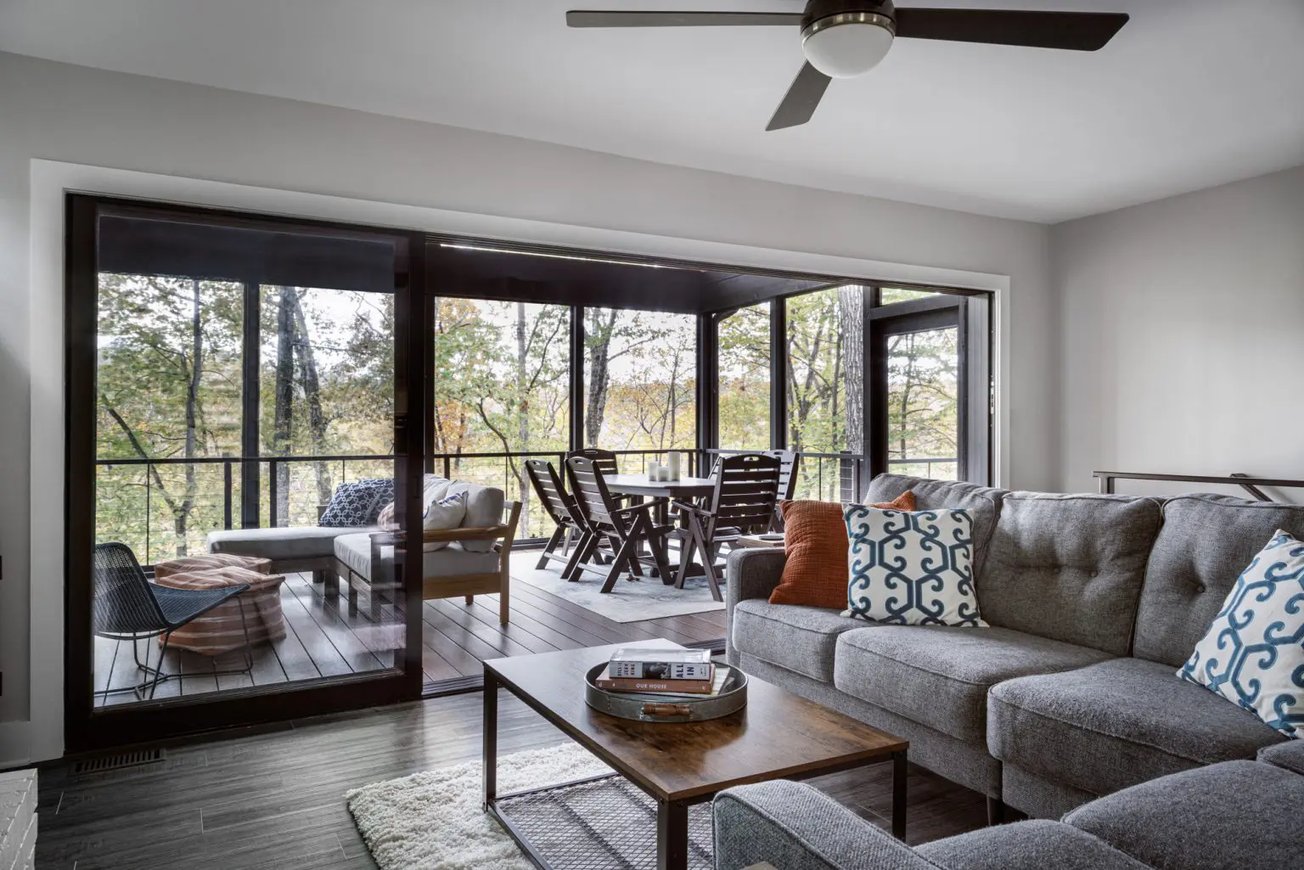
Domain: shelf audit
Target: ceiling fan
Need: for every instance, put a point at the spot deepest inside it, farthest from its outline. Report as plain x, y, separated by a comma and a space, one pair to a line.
846, 38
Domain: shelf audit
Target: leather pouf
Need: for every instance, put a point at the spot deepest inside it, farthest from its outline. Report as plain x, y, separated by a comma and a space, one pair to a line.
219, 630
204, 561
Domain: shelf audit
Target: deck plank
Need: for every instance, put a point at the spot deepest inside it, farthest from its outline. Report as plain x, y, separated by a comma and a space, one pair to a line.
322, 639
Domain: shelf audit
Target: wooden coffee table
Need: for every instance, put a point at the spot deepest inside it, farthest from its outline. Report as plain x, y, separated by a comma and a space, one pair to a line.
778, 735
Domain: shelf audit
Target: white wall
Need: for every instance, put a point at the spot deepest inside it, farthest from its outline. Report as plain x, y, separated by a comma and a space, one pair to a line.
65, 113
1183, 334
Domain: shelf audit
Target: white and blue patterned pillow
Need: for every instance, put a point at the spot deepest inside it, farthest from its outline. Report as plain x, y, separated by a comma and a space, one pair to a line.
358, 503
911, 567
1253, 652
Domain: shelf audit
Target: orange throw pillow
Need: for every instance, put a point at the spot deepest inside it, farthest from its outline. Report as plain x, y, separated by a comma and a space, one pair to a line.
815, 540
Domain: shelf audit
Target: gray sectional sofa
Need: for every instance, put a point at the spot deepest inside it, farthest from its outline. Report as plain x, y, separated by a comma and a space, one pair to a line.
1071, 694
1228, 816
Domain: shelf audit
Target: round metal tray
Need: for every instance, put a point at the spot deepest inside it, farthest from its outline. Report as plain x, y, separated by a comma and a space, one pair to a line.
653, 707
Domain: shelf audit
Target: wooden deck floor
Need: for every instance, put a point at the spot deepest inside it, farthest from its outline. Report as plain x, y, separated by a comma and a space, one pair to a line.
323, 640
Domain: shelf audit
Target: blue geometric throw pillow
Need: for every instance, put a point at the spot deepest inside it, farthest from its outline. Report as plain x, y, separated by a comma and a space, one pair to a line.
358, 503
911, 567
1253, 653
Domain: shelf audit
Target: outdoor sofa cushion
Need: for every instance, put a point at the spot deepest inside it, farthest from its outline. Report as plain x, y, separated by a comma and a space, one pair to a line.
294, 542
939, 676
1069, 567
1241, 814
1117, 723
1203, 546
355, 552
790, 636
484, 508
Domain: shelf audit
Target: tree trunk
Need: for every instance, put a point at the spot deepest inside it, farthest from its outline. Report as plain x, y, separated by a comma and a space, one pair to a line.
182, 511
282, 425
522, 414
312, 397
907, 388
851, 328
599, 346
851, 348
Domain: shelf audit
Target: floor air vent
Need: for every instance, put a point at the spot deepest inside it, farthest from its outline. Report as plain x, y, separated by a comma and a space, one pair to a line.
119, 760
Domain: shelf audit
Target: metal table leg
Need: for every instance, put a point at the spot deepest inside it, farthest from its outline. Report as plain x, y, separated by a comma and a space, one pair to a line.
490, 738
672, 835
899, 773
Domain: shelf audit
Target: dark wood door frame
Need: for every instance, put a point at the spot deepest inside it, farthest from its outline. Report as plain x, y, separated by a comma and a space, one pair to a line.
88, 729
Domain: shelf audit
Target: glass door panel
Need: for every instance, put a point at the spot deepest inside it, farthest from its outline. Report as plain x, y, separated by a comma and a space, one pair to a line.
923, 400
244, 538
640, 382
743, 379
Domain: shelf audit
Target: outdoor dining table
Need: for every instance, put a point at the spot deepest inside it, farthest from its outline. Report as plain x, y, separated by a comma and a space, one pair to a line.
683, 489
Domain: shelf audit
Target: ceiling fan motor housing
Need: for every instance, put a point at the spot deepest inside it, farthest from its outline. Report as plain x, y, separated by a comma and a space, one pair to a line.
847, 38
819, 10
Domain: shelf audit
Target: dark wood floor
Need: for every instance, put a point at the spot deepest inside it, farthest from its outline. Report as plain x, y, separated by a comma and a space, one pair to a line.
275, 799
323, 640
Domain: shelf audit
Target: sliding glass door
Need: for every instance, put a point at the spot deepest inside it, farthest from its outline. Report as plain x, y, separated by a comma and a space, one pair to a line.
239, 467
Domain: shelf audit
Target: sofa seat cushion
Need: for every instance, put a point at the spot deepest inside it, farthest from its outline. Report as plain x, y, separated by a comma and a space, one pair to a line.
1031, 845
282, 543
1289, 755
354, 551
791, 636
1115, 724
939, 675
1233, 815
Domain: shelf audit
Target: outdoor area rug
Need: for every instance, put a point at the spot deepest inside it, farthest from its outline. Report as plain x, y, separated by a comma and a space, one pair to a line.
630, 601
433, 820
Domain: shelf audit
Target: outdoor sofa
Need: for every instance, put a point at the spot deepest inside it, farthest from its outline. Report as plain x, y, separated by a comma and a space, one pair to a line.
472, 561
1094, 601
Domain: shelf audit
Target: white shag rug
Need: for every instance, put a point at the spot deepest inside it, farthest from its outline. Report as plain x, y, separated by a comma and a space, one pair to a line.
433, 820
630, 601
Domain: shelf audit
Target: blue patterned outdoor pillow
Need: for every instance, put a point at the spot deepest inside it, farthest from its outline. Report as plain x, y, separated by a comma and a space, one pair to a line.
358, 503
911, 567
1253, 652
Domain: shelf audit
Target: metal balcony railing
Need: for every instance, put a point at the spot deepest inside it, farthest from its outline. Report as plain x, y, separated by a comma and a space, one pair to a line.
219, 502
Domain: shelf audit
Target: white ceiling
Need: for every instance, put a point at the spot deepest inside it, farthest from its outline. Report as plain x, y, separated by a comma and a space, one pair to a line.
1190, 94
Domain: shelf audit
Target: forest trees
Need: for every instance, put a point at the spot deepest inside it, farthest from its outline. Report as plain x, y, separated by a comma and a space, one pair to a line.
168, 381
171, 358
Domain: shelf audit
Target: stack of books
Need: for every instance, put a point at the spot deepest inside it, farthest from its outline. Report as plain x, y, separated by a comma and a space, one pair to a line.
648, 671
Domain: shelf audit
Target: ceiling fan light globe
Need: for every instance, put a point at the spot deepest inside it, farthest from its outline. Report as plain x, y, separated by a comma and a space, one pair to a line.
847, 45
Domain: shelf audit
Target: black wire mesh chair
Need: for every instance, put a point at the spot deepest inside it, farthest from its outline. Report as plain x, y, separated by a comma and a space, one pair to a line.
129, 607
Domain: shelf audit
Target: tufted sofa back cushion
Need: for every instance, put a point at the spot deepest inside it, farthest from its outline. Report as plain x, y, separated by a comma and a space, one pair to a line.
982, 502
1205, 543
1069, 567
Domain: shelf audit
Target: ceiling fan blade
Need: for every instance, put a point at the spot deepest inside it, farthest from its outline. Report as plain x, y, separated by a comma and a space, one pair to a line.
613, 18
801, 100
1076, 31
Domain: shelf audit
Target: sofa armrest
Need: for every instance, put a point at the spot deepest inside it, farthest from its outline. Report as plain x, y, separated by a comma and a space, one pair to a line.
795, 827
753, 573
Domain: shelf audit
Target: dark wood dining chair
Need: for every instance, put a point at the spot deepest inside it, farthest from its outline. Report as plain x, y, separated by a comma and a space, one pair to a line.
789, 463
561, 508
626, 528
742, 503
604, 459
